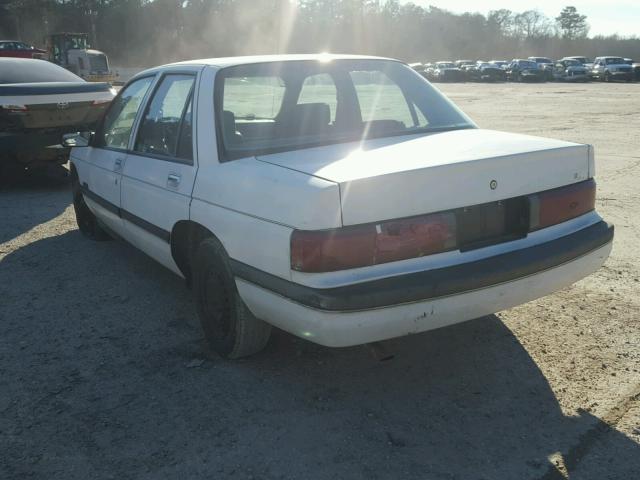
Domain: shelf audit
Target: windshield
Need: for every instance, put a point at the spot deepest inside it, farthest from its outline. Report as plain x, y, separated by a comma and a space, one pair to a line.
98, 62
445, 65
78, 42
615, 61
283, 106
527, 64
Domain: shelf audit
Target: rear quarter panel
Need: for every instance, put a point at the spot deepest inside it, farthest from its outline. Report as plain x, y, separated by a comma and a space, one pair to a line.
252, 207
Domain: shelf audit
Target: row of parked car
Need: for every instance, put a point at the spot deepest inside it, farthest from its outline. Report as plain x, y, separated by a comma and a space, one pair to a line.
532, 69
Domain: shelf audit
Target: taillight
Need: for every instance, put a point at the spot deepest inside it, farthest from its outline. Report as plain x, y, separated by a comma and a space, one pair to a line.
14, 108
472, 227
561, 204
365, 245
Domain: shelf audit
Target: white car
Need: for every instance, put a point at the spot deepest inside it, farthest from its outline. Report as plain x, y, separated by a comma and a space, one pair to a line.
340, 198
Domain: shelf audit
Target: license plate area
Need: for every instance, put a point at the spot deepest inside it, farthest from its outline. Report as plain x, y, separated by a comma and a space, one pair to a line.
492, 223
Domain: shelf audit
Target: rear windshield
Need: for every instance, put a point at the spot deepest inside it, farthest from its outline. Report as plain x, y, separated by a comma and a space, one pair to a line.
25, 70
283, 106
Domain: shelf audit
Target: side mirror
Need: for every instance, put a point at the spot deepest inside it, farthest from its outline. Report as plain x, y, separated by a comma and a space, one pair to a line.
78, 139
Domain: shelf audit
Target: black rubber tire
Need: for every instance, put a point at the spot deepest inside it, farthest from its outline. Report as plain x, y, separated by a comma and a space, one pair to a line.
230, 328
87, 222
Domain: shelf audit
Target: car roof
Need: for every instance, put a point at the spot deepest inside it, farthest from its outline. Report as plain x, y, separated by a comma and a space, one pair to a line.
250, 59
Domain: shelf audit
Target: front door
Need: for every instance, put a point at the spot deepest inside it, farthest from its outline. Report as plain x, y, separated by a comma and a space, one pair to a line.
108, 155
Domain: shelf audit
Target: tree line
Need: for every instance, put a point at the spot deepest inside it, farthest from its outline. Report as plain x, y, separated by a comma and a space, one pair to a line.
148, 32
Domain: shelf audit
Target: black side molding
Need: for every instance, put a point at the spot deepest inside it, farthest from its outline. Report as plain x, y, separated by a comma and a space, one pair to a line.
439, 282
126, 215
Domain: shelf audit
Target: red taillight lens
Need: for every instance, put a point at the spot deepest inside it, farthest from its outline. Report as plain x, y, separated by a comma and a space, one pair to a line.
562, 204
14, 108
360, 246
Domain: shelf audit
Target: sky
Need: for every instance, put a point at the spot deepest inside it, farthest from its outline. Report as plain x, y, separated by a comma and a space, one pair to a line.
604, 17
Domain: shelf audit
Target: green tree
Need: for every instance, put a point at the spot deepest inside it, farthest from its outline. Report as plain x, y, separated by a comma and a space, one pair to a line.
572, 24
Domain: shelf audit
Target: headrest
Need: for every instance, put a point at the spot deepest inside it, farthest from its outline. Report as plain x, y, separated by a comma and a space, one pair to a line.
228, 122
311, 114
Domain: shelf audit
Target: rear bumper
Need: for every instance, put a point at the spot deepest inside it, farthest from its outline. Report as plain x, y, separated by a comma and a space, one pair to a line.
30, 140
422, 301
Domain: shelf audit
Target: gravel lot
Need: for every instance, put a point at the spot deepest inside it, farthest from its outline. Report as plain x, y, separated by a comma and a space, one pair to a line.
104, 374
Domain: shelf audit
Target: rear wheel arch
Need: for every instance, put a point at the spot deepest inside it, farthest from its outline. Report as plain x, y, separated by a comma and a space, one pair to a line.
186, 235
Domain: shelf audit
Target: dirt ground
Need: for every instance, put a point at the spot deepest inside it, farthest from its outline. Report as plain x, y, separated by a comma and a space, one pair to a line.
104, 374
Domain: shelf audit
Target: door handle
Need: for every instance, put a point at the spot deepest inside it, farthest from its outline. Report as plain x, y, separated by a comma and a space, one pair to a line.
173, 180
117, 165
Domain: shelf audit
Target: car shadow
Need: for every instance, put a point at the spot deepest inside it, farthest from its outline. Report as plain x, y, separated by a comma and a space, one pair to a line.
30, 199
103, 373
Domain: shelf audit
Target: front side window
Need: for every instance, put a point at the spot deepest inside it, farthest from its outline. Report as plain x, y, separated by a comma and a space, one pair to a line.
163, 122
284, 106
119, 119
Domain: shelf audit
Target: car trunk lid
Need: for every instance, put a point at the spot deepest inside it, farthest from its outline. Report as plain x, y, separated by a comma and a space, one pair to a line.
52, 104
400, 177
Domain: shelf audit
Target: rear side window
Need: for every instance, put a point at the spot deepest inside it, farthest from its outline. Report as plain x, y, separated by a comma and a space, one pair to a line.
119, 119
168, 114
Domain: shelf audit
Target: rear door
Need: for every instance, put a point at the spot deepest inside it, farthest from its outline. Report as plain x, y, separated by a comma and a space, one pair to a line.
160, 170
101, 179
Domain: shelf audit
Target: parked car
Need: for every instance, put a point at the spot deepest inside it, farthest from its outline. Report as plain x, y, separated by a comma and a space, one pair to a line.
582, 60
569, 70
607, 69
635, 67
18, 49
545, 64
39, 102
420, 68
446, 72
520, 70
490, 72
314, 207
503, 64
469, 69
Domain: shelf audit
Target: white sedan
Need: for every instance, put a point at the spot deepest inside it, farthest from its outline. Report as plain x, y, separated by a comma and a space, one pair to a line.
340, 198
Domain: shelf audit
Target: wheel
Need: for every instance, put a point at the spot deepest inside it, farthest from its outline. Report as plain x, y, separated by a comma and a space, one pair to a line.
229, 327
607, 77
87, 222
